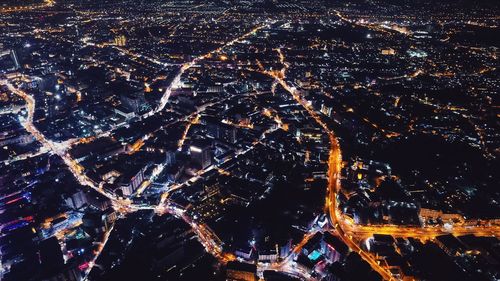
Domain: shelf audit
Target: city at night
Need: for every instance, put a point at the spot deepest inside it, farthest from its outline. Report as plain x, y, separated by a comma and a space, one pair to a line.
249, 140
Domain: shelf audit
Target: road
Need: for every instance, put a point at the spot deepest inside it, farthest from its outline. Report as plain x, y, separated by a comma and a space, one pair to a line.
334, 169
350, 234
424, 233
44, 4
206, 236
61, 148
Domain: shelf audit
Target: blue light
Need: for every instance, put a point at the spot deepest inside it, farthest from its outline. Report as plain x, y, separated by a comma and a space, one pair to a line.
314, 255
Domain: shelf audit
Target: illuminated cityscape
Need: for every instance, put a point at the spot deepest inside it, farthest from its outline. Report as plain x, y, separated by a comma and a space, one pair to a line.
235, 140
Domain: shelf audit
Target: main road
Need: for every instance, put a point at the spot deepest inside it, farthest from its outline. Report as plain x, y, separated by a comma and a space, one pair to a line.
61, 148
352, 234
334, 169
44, 4
422, 233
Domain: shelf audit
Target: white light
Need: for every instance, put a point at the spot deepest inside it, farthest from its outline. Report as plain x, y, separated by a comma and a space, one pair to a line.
195, 149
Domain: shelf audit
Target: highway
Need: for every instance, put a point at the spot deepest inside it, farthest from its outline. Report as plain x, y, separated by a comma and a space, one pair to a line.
425, 233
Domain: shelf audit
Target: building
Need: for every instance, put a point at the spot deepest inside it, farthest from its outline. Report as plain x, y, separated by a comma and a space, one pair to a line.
132, 101
388, 52
14, 63
15, 136
57, 102
238, 271
126, 112
201, 153
271, 275
120, 40
450, 244
99, 222
268, 255
245, 253
170, 157
98, 201
51, 255
66, 273
131, 179
77, 200
53, 265
312, 244
429, 215
221, 131
285, 248
227, 133
333, 248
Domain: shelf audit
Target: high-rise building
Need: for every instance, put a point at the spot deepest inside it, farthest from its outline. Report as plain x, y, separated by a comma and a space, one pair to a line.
228, 133
201, 153
133, 101
53, 265
170, 157
51, 255
131, 179
221, 131
333, 248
